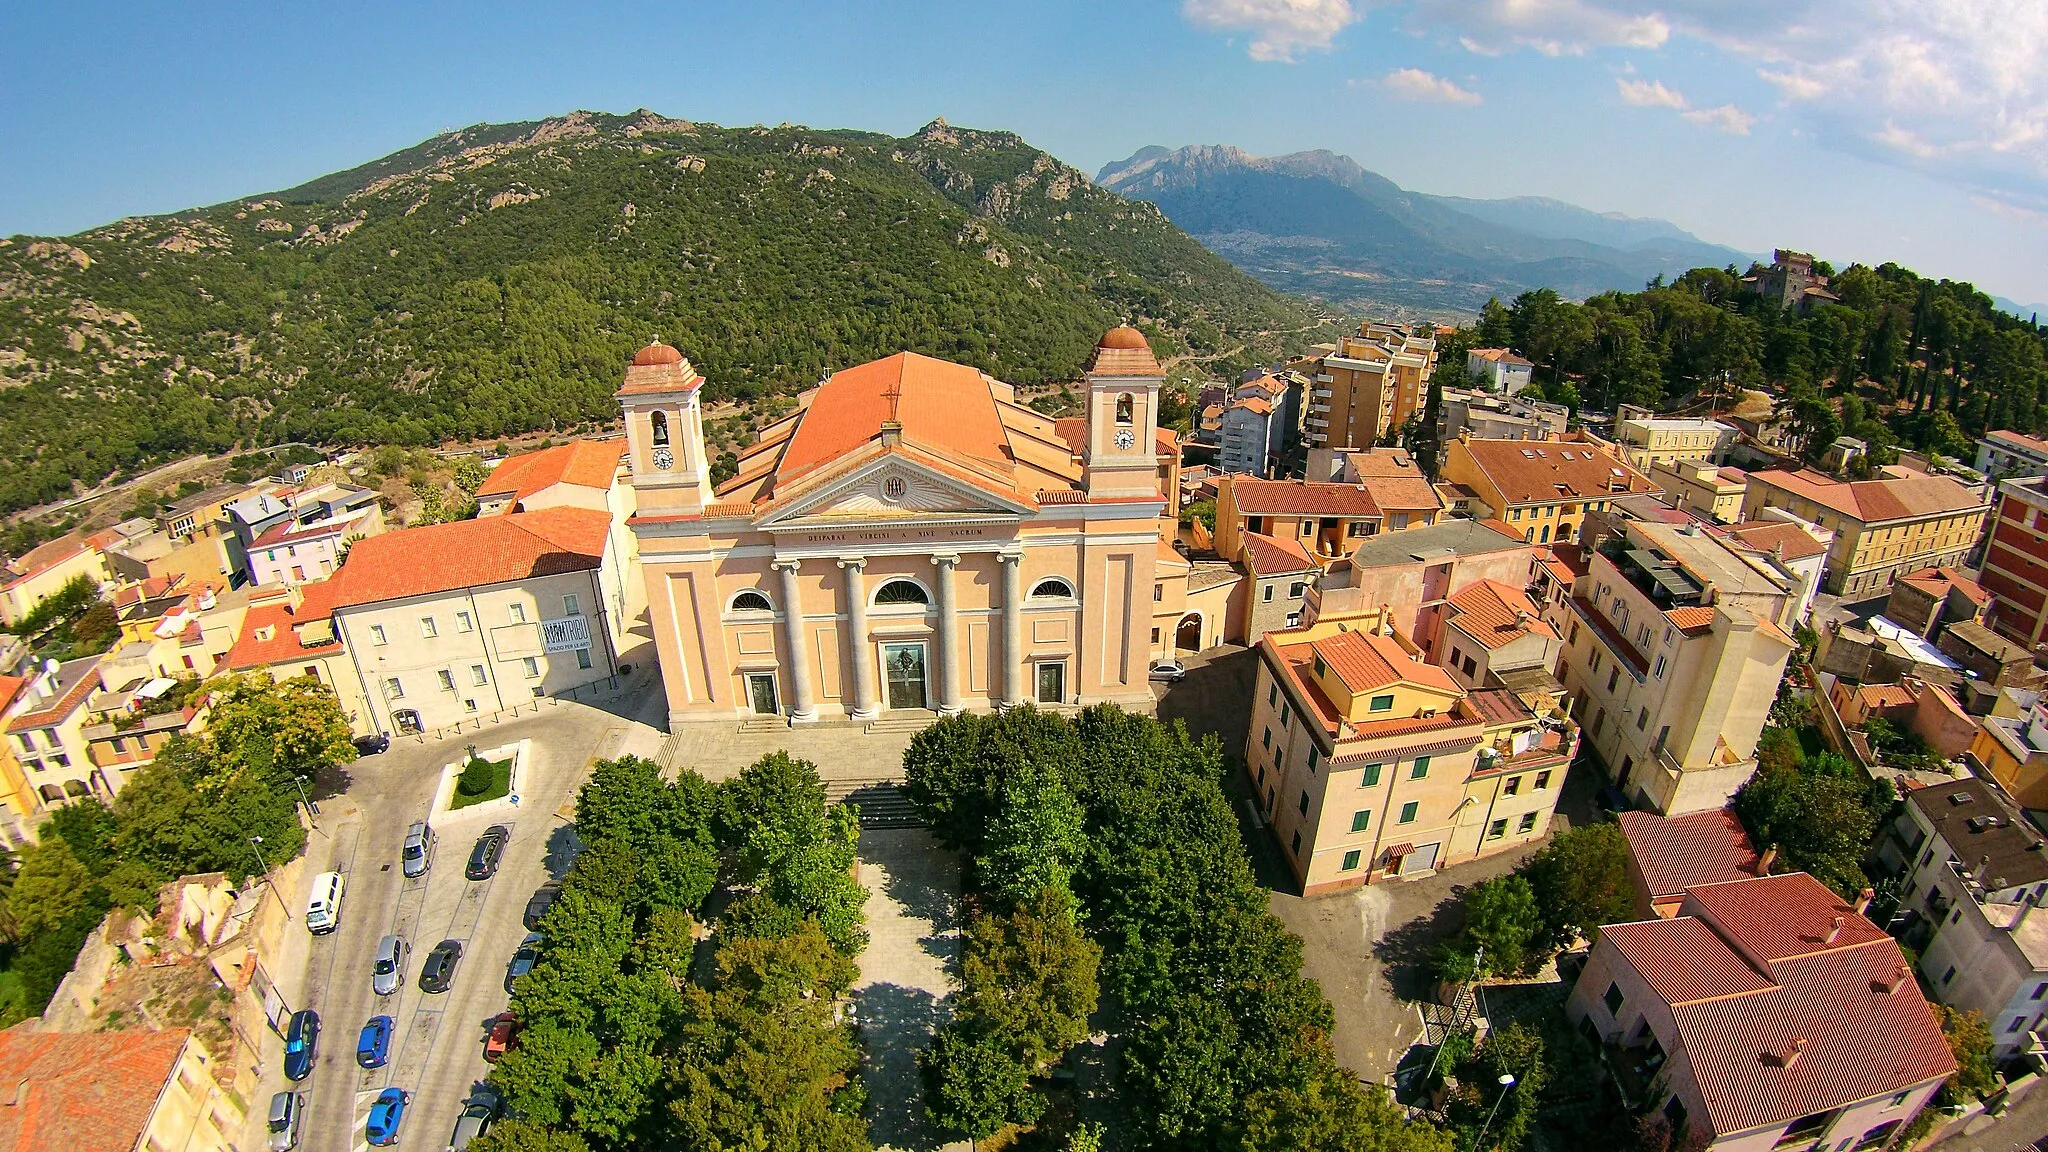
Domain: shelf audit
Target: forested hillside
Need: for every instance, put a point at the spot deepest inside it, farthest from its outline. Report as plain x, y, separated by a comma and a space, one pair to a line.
495, 280
1900, 360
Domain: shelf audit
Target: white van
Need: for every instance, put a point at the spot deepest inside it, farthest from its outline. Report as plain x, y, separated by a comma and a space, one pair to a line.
323, 907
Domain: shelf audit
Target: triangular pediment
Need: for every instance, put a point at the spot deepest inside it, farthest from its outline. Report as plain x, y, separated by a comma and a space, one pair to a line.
891, 489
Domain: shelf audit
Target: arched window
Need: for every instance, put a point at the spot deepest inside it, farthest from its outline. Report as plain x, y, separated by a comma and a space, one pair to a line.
659, 423
901, 592
1052, 588
1123, 408
752, 600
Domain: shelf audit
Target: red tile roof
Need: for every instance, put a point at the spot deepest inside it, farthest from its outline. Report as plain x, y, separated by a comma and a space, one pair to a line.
1368, 661
1530, 471
1275, 555
83, 1091
1875, 501
584, 463
1859, 1031
1676, 853
1301, 498
471, 553
1487, 612
945, 407
1768, 536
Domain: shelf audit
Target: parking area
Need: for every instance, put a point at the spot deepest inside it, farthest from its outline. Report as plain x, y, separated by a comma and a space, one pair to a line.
437, 1043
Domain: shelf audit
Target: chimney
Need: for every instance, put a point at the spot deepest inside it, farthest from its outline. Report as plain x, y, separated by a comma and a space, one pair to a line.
1834, 931
1863, 899
1764, 862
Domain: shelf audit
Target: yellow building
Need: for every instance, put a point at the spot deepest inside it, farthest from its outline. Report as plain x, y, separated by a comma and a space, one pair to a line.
1365, 384
910, 540
1703, 488
1883, 528
1371, 764
1540, 488
126, 1091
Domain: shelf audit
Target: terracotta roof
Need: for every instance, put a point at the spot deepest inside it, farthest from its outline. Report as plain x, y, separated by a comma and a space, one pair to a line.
1875, 501
83, 1091
268, 637
1275, 555
1676, 853
1937, 581
1767, 536
1123, 351
1301, 498
1530, 471
471, 553
1368, 661
944, 407
1858, 1030
584, 463
44, 557
1487, 612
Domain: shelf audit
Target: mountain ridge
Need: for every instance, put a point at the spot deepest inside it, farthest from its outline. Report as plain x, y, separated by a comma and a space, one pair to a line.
1319, 223
494, 280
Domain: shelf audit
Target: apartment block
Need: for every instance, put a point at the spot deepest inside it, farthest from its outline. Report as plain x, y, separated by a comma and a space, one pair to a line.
1976, 877
1674, 647
1372, 764
1906, 521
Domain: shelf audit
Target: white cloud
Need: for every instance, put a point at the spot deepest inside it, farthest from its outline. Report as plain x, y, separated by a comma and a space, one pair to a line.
1648, 94
1954, 88
1415, 84
1726, 118
1281, 30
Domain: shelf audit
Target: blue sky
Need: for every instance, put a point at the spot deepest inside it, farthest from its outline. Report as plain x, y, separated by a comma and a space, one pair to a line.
1910, 130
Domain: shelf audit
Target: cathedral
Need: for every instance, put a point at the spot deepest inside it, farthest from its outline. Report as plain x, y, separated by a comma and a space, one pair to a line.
911, 540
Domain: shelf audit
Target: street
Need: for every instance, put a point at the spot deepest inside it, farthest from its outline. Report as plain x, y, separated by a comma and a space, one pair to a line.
437, 1042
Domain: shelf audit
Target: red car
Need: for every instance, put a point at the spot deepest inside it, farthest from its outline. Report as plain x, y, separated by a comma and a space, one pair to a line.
504, 1036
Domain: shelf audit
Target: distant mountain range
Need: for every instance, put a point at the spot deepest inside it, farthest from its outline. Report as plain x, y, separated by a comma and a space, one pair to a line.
1319, 224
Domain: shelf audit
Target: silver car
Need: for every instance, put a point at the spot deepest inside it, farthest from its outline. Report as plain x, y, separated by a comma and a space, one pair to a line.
287, 1112
389, 971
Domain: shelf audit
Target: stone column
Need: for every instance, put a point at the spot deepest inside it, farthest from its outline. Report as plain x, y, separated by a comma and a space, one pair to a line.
866, 704
805, 708
1014, 688
949, 634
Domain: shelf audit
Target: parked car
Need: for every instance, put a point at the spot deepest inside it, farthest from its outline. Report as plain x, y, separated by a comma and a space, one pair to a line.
439, 970
503, 1036
372, 744
387, 1112
301, 1043
1169, 671
287, 1113
389, 971
418, 854
483, 859
523, 960
373, 1045
477, 1113
538, 906
323, 906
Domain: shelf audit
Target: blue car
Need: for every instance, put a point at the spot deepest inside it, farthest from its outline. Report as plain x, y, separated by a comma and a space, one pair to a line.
386, 1113
373, 1047
301, 1040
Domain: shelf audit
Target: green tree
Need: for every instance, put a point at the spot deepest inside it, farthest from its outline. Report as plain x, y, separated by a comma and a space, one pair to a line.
1580, 881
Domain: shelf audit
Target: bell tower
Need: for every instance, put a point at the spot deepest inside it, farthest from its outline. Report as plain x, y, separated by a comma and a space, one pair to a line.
1122, 456
665, 433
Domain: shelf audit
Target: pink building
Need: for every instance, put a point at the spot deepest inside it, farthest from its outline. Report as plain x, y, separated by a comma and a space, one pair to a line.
1769, 1012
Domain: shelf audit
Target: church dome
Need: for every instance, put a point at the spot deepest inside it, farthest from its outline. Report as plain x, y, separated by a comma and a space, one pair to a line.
656, 354
1124, 336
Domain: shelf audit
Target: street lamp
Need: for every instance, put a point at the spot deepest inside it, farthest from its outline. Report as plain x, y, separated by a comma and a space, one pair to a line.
256, 846
1507, 1081
312, 812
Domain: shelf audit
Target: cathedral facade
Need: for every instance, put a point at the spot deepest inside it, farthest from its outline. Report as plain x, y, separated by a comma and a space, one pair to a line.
910, 540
